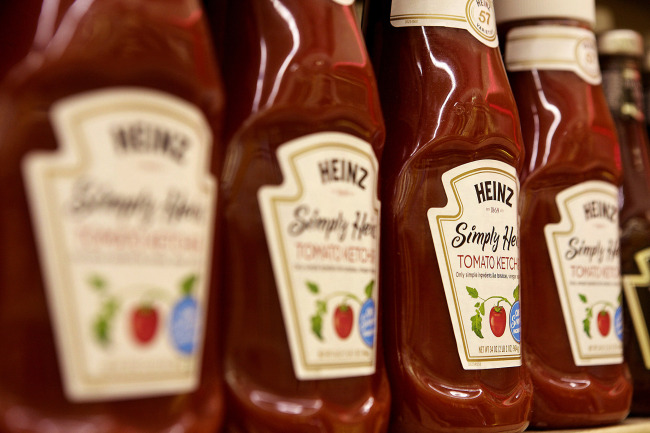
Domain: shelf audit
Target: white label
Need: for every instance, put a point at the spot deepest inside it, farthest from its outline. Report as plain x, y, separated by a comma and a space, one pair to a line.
322, 229
123, 212
584, 251
637, 295
344, 2
477, 245
475, 16
553, 48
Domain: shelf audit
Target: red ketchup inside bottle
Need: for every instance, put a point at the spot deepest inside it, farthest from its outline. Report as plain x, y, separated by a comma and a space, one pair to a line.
108, 184
301, 235
572, 332
450, 250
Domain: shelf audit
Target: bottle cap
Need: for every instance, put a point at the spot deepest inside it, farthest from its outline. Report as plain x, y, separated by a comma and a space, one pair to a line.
604, 19
515, 10
625, 42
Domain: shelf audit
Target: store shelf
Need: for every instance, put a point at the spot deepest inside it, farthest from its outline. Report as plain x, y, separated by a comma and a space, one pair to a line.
630, 425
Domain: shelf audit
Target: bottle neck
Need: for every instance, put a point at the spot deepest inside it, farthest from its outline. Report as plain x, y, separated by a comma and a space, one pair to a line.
622, 86
552, 45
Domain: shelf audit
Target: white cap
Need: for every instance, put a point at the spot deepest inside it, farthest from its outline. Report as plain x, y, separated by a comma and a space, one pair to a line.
515, 10
626, 42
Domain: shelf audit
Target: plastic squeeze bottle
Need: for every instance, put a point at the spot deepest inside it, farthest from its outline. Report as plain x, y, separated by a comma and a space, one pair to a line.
301, 235
450, 233
108, 183
572, 334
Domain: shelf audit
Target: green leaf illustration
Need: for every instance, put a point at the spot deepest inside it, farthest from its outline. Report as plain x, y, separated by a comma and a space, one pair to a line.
472, 292
101, 330
317, 325
516, 293
97, 282
313, 287
187, 285
321, 307
582, 297
369, 288
477, 324
103, 321
586, 324
482, 308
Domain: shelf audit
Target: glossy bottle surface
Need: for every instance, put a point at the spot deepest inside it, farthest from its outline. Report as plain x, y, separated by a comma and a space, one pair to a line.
447, 102
297, 68
622, 86
81, 47
569, 138
17, 28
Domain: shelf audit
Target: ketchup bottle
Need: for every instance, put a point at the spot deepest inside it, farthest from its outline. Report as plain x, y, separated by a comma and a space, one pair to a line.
620, 56
107, 221
450, 247
301, 235
572, 332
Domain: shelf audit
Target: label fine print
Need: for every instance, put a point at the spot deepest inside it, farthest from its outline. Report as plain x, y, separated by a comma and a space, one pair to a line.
322, 229
476, 239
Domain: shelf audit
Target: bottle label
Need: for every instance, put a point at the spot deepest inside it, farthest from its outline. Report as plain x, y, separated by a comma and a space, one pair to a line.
553, 48
584, 252
322, 230
123, 213
475, 16
624, 92
637, 295
477, 245
344, 2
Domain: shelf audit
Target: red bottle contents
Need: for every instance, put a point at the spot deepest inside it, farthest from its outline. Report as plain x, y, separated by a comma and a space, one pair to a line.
299, 193
449, 188
570, 270
17, 28
107, 222
620, 55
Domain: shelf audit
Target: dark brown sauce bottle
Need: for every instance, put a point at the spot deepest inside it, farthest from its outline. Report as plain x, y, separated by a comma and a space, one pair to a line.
620, 58
572, 332
134, 82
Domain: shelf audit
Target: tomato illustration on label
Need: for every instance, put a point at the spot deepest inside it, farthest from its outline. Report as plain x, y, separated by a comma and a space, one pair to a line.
102, 324
604, 322
603, 317
498, 320
498, 315
184, 320
343, 317
144, 323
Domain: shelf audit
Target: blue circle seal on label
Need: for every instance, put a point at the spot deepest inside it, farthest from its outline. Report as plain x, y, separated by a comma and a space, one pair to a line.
515, 322
618, 323
183, 325
367, 322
